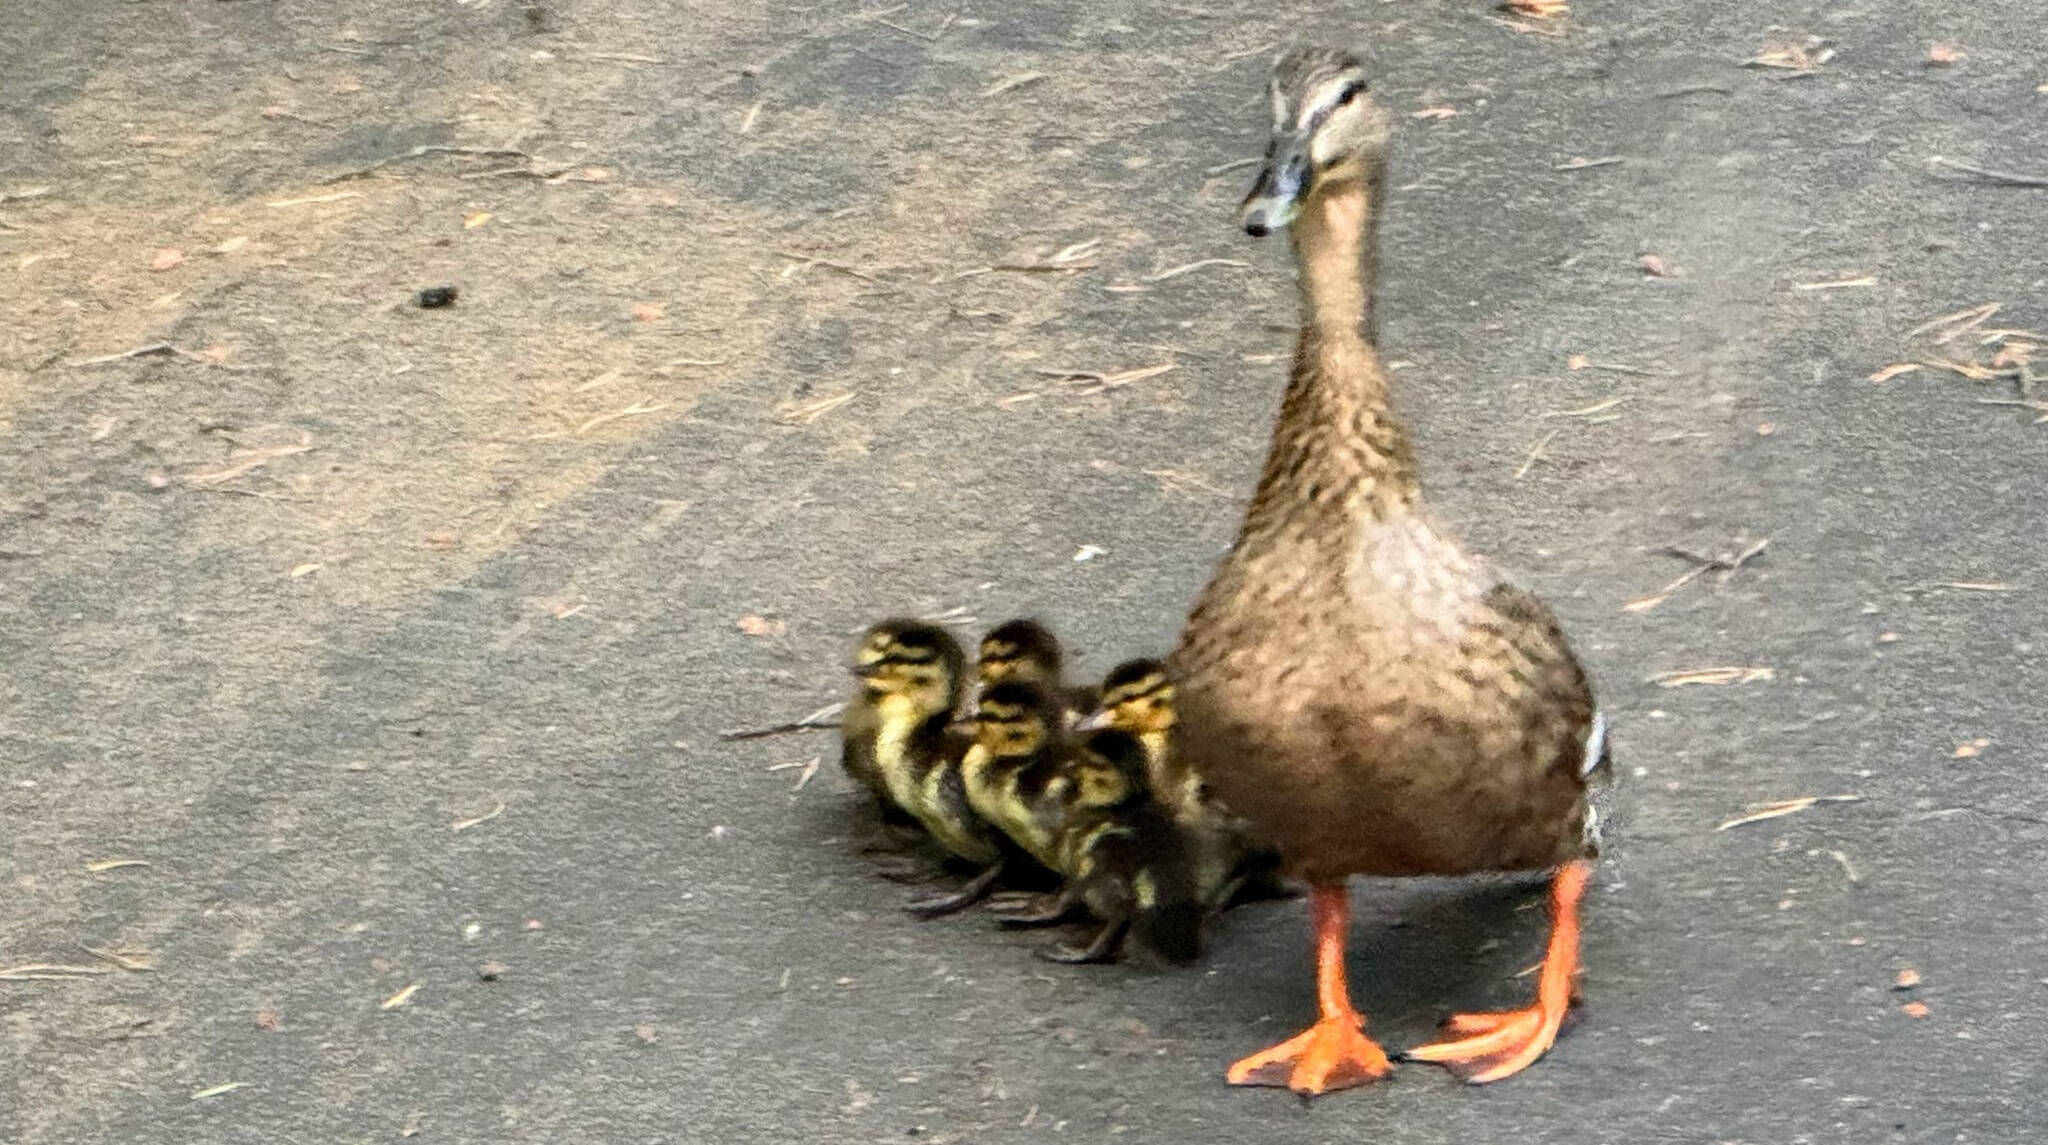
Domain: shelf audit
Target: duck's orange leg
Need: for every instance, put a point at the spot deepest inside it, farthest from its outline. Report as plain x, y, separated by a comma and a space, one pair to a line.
1334, 1053
1496, 1045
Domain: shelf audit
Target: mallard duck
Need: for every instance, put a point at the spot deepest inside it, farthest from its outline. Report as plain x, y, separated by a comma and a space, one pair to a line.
1026, 650
899, 743
1368, 697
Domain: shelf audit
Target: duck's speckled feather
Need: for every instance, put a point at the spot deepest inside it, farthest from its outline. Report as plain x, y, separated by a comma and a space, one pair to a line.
1368, 697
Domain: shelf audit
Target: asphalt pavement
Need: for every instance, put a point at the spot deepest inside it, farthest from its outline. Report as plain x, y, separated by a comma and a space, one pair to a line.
362, 666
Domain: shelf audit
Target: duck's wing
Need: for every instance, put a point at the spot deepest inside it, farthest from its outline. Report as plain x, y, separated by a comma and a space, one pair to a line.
1556, 683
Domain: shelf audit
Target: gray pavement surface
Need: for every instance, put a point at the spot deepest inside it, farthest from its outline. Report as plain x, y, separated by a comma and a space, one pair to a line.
396, 643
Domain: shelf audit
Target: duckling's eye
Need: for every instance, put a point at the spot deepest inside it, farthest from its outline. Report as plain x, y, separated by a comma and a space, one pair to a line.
1351, 91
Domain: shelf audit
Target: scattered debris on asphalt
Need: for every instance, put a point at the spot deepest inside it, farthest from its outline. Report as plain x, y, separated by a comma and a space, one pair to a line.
1960, 345
825, 717
497, 809
1784, 807
1727, 564
1737, 674
217, 1090
1800, 58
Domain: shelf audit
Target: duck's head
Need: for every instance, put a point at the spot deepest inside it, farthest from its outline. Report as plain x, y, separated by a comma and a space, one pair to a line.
1020, 650
1327, 130
1137, 697
1015, 718
911, 661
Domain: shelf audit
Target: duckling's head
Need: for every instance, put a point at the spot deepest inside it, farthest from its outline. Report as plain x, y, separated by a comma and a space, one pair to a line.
1020, 650
1112, 768
1327, 130
1137, 697
913, 662
1015, 718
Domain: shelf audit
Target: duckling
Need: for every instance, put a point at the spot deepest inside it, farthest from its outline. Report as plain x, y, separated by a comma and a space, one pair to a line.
1368, 697
1125, 858
1026, 650
898, 743
1137, 699
905, 659
1083, 809
1015, 776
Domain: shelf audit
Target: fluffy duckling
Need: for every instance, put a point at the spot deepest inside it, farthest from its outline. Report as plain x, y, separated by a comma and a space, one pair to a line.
1125, 858
1084, 809
1015, 776
1027, 651
907, 668
1138, 700
899, 744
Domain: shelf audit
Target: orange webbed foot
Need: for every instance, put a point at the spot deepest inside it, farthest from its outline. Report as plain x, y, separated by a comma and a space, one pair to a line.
1491, 1046
1332, 1054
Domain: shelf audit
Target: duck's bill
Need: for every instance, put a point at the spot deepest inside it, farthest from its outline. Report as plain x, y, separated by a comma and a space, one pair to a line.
1275, 198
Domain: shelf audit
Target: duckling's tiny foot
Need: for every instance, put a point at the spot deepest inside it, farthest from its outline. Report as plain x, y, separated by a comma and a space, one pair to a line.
976, 889
905, 870
1332, 1054
940, 905
1019, 910
1492, 1046
1068, 954
1102, 948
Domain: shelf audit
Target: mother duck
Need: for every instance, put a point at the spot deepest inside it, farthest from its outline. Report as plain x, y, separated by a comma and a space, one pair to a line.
1370, 698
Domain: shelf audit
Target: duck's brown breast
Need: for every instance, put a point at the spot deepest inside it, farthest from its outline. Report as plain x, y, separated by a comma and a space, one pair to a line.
1386, 714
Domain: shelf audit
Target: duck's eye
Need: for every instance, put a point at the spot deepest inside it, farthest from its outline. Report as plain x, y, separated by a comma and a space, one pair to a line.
1351, 91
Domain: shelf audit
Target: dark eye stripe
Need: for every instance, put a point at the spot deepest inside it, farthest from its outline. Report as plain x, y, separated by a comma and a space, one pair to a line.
1350, 91
1132, 693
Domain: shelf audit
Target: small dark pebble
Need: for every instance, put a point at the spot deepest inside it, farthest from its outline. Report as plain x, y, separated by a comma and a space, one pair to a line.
435, 297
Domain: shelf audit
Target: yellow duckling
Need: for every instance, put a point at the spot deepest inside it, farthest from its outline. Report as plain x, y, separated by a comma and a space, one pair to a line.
898, 743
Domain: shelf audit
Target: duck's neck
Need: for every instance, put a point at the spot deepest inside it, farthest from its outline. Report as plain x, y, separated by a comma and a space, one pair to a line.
1336, 246
1337, 435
